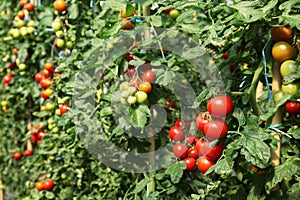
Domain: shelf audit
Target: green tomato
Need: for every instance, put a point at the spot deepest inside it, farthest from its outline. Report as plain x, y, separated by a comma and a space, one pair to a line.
174, 14
50, 106
22, 66
131, 90
56, 25
69, 44
125, 94
278, 95
124, 86
16, 33
30, 23
124, 101
57, 111
141, 96
131, 100
30, 30
60, 43
63, 176
287, 67
59, 34
291, 88
55, 129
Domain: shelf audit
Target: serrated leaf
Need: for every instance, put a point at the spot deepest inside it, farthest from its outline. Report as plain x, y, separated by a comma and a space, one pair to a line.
222, 167
247, 11
105, 111
155, 20
292, 20
295, 132
254, 148
141, 185
175, 171
294, 190
73, 10
139, 116
239, 115
287, 169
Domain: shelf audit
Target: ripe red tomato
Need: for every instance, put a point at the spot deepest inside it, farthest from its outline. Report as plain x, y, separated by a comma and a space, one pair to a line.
130, 72
282, 51
27, 152
190, 139
292, 107
176, 133
213, 153
202, 119
11, 65
149, 76
29, 7
40, 135
17, 155
168, 10
145, 86
180, 123
194, 153
204, 164
45, 83
220, 106
49, 66
225, 55
33, 138
129, 57
145, 67
190, 163
39, 186
64, 108
253, 168
170, 104
281, 33
60, 5
7, 78
260, 172
48, 184
47, 73
215, 129
180, 150
38, 77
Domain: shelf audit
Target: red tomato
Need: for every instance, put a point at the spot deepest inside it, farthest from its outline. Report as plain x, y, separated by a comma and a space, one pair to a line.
45, 83
213, 153
144, 67
215, 129
27, 152
48, 184
292, 107
281, 33
202, 119
40, 135
260, 172
129, 57
180, 123
170, 104
180, 150
49, 66
220, 106
33, 138
23, 2
190, 163
225, 55
204, 164
149, 76
130, 72
176, 133
194, 153
64, 108
168, 10
190, 139
11, 65
253, 168
17, 155
29, 7
38, 77
39, 186
47, 73
7, 78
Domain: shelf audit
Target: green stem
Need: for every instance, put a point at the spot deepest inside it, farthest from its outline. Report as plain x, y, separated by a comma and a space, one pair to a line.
252, 89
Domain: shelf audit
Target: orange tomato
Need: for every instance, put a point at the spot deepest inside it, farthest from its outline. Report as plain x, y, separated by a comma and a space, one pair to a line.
29, 7
282, 51
60, 5
127, 25
145, 87
281, 33
21, 14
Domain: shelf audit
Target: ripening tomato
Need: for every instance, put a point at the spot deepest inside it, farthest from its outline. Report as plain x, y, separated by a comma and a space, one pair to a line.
126, 24
23, 2
27, 152
48, 184
45, 83
220, 106
202, 119
60, 5
292, 107
180, 150
281, 33
149, 76
17, 155
215, 129
145, 86
64, 108
47, 73
49, 66
29, 7
128, 14
176, 133
282, 51
21, 14
204, 164
190, 163
39, 186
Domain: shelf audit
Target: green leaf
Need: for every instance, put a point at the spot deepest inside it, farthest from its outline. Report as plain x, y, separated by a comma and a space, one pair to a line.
175, 171
287, 169
239, 115
155, 20
106, 111
73, 10
294, 190
222, 167
141, 185
254, 148
292, 20
295, 132
139, 116
248, 11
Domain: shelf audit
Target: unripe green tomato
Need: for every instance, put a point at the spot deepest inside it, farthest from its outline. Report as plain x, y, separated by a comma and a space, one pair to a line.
141, 96
124, 101
50, 120
56, 25
50, 106
30, 30
16, 33
174, 14
287, 67
125, 94
22, 66
50, 126
131, 100
59, 34
124, 86
60, 43
51, 157
55, 129
63, 176
69, 45
30, 23
131, 90
57, 111
291, 88
278, 95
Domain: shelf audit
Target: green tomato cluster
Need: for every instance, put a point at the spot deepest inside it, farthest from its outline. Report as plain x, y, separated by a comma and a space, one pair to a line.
61, 40
129, 94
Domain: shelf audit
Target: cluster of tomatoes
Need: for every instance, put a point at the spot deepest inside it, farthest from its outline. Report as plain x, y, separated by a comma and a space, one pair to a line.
18, 155
44, 185
61, 41
284, 52
23, 25
206, 150
139, 84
